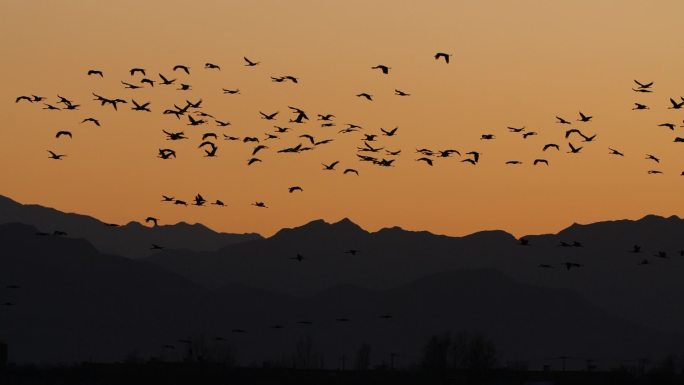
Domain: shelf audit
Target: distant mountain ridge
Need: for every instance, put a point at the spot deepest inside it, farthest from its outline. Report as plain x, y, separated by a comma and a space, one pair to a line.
76, 304
609, 274
132, 240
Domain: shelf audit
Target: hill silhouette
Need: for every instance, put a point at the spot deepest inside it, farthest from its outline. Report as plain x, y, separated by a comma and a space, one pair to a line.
611, 275
77, 304
131, 240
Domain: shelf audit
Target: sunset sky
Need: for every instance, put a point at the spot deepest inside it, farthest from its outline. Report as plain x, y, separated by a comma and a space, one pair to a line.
515, 63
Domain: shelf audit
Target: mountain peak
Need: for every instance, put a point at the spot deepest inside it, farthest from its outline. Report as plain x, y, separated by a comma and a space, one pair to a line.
319, 227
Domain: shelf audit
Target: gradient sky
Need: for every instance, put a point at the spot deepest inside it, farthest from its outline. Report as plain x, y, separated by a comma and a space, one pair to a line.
515, 63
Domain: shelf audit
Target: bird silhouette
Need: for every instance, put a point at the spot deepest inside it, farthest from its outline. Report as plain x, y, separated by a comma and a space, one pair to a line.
615, 152
63, 133
443, 55
561, 120
551, 145
268, 116
154, 220
56, 156
140, 107
130, 86
23, 97
643, 85
133, 71
401, 93
365, 95
166, 153
571, 265
259, 204
258, 148
573, 149
385, 69
475, 155
584, 118
353, 171
428, 161
639, 106
95, 72
148, 81
211, 66
184, 68
330, 166
542, 161
156, 247
294, 188
671, 126
250, 63
653, 158
675, 105
218, 202
390, 132
199, 200
165, 81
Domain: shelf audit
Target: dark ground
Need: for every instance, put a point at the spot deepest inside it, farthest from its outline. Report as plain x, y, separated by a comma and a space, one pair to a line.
205, 373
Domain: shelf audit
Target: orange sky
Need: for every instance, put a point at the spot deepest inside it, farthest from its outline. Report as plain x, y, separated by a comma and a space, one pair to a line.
515, 63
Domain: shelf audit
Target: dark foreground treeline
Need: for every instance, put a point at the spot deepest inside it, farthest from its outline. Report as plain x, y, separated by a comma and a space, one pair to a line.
211, 373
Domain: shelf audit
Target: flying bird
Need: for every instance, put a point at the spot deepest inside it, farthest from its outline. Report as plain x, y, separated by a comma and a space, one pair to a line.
184, 68
428, 161
55, 156
615, 152
643, 85
385, 69
250, 63
330, 166
63, 133
268, 116
584, 118
443, 55
573, 149
95, 72
561, 120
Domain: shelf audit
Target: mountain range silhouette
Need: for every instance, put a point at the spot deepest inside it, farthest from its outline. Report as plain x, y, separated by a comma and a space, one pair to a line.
78, 301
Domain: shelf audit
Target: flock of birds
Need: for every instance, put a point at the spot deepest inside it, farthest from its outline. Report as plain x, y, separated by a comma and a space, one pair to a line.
368, 151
